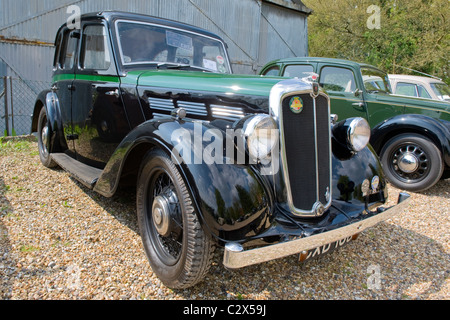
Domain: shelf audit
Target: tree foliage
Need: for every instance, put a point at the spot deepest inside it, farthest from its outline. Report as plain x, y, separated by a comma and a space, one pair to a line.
412, 33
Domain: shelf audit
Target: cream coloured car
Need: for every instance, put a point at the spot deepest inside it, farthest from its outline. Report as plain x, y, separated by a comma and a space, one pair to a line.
420, 87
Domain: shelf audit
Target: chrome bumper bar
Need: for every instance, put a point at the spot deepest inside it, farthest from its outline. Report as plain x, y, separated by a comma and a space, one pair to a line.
236, 257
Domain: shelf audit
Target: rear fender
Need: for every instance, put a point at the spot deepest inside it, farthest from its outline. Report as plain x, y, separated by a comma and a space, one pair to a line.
429, 127
50, 102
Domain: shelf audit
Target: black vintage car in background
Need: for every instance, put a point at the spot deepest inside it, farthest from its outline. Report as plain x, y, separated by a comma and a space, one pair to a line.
254, 164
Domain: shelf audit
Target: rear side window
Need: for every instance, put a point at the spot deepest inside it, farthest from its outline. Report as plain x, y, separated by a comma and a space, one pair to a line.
58, 44
95, 52
423, 93
67, 55
274, 71
406, 89
299, 71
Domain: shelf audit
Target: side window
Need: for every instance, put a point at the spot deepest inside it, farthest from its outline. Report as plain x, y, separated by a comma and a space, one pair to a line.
67, 55
406, 89
423, 93
58, 44
297, 71
95, 52
274, 71
337, 79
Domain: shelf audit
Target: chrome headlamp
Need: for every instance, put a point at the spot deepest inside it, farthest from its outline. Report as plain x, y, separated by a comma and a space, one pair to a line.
353, 134
358, 134
262, 136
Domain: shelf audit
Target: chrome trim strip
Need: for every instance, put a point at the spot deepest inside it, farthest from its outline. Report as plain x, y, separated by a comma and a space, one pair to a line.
235, 257
316, 150
277, 95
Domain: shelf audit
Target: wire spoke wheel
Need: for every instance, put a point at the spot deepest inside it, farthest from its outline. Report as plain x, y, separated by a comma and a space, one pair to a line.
179, 251
165, 218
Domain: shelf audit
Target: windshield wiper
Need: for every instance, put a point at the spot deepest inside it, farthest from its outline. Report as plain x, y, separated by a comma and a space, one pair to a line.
172, 65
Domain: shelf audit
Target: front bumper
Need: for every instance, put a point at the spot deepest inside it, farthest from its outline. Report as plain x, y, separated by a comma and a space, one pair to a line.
236, 257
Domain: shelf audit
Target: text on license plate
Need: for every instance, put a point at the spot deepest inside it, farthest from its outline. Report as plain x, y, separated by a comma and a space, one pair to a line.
309, 254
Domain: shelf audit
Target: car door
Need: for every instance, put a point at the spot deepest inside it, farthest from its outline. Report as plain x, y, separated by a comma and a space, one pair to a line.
98, 115
346, 96
377, 96
63, 77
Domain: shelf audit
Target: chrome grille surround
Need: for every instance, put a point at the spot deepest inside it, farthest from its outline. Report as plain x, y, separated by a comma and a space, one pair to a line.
279, 92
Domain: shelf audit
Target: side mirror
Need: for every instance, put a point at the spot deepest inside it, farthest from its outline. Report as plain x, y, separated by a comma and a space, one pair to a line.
358, 92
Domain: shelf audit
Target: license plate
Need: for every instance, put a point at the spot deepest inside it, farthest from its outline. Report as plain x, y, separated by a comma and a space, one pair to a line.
319, 251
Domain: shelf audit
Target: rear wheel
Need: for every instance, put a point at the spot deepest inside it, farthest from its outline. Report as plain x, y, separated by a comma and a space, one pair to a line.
179, 251
412, 162
44, 134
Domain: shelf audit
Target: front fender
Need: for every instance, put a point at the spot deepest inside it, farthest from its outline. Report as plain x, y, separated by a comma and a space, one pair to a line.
431, 128
232, 200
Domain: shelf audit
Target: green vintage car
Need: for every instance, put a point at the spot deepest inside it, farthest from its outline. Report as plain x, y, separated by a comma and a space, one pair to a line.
411, 135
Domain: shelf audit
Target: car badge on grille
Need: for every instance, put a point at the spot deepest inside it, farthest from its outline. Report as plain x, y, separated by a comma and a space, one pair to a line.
296, 105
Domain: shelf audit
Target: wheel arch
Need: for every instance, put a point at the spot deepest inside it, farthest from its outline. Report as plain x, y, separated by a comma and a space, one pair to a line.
209, 185
427, 127
49, 100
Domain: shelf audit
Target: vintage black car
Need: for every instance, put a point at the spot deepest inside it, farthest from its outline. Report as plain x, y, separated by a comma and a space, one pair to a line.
254, 164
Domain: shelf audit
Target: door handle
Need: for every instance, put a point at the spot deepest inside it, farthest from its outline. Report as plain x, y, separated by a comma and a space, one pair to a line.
113, 93
358, 106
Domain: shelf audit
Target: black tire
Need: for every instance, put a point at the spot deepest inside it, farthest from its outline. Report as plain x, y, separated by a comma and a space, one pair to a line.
179, 251
412, 162
44, 135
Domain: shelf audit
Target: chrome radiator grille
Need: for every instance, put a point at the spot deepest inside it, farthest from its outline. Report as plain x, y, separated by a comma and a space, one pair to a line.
306, 154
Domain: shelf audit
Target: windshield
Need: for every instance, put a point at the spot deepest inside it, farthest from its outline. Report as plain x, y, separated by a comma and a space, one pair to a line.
143, 43
375, 80
442, 91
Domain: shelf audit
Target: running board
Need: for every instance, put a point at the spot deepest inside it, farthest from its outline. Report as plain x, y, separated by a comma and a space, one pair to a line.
85, 174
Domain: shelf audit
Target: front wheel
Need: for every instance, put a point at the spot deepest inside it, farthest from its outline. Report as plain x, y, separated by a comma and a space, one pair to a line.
179, 251
412, 162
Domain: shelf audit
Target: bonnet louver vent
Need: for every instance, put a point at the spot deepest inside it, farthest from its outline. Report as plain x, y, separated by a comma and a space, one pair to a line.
192, 108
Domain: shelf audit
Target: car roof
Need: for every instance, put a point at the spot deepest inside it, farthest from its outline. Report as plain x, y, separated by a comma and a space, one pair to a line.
407, 77
111, 16
323, 60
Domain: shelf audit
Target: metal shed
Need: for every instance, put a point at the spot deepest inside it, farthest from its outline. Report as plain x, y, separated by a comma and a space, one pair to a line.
256, 31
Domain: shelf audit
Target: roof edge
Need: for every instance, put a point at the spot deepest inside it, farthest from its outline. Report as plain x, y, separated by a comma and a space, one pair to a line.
296, 5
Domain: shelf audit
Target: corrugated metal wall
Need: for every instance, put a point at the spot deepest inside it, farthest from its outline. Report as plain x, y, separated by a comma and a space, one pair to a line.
256, 31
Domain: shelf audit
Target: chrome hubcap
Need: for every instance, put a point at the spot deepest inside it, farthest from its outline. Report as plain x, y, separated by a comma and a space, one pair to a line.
161, 215
408, 163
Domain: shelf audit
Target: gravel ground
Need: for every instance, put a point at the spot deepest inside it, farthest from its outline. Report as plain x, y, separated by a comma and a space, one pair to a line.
59, 240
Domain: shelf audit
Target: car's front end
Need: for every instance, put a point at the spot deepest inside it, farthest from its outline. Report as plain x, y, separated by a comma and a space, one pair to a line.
325, 182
